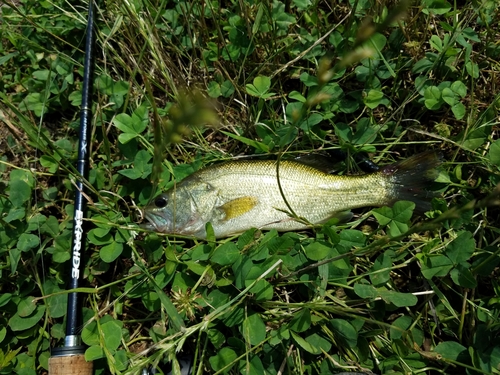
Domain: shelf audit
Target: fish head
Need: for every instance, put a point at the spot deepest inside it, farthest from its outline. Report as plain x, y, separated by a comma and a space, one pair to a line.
183, 210
159, 214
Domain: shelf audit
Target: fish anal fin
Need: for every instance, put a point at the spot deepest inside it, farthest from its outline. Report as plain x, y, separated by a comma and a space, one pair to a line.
238, 207
340, 217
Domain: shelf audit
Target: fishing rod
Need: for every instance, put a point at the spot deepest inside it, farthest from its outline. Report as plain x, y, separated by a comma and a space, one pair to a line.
70, 359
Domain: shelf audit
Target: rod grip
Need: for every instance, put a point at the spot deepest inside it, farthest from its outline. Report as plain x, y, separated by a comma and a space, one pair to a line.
70, 365
70, 360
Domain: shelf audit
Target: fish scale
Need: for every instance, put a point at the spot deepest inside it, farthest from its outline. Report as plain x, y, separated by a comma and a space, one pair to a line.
312, 194
237, 195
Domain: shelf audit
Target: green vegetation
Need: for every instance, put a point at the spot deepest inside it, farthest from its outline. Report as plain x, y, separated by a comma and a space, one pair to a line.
183, 83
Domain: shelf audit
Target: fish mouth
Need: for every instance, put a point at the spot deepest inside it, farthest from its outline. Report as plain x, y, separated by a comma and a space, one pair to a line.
144, 220
148, 226
154, 222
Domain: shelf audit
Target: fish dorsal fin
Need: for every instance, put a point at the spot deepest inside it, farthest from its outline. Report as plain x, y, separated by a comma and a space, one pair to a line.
238, 207
318, 161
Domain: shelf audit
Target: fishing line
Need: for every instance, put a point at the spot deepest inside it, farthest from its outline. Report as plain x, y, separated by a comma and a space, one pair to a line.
35, 198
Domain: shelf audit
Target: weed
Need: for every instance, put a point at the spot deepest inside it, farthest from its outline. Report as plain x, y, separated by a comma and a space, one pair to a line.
181, 84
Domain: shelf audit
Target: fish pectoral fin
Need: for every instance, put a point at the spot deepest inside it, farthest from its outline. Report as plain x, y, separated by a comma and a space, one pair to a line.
238, 207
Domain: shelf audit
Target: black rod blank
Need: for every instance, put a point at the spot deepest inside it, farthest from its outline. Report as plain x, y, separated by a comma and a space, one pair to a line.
70, 359
74, 312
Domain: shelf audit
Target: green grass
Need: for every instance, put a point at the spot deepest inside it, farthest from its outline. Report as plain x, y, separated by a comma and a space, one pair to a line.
182, 84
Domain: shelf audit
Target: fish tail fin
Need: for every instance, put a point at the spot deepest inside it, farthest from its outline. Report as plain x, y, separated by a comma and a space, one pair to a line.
410, 179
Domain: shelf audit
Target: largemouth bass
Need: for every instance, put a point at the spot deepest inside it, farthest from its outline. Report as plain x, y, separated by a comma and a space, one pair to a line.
235, 196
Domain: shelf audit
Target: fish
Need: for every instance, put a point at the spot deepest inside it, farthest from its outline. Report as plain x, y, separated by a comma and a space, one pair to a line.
288, 195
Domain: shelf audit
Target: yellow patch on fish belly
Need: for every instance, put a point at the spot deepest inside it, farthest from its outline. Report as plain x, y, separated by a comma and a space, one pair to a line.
238, 207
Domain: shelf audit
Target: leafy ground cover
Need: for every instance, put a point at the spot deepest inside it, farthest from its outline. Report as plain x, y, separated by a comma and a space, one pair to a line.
182, 84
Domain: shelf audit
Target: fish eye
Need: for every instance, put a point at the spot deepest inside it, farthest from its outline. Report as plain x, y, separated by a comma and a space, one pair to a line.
161, 202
